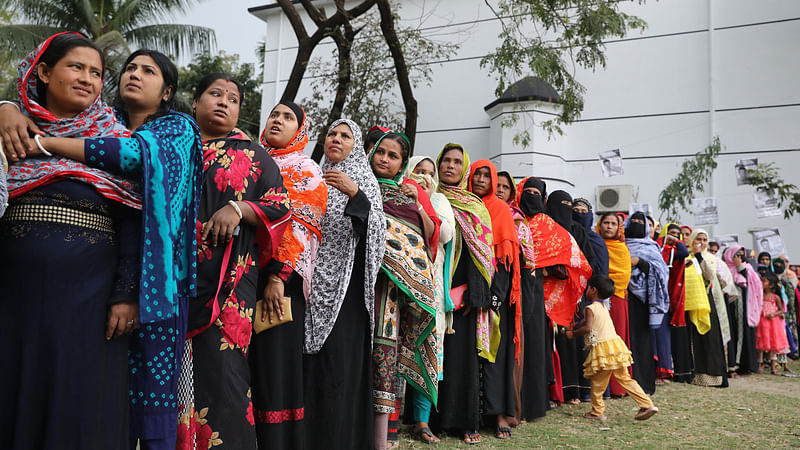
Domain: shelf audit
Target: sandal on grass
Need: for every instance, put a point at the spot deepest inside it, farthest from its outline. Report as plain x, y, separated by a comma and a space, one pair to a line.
472, 437
503, 433
425, 435
392, 445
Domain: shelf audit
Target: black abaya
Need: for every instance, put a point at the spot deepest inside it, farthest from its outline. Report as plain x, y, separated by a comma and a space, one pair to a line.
535, 380
498, 377
338, 379
644, 364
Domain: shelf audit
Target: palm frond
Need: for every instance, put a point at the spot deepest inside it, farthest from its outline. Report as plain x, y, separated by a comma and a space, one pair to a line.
175, 39
131, 14
57, 13
19, 40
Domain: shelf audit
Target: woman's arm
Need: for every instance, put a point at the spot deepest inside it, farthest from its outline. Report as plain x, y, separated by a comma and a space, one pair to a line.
15, 132
584, 326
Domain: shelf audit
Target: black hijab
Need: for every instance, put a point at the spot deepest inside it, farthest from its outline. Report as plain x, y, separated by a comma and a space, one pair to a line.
558, 211
532, 204
637, 230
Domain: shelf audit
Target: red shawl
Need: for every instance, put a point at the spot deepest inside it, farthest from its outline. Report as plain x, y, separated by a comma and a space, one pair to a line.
553, 246
506, 242
677, 291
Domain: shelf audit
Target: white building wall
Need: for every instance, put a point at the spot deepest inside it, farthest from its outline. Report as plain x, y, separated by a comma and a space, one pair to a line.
702, 68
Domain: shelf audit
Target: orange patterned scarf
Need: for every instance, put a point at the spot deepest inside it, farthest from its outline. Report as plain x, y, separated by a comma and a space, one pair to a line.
308, 195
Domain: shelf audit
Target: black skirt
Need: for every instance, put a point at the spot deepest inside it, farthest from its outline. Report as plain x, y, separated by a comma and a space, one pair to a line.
535, 380
62, 384
644, 364
710, 366
276, 371
337, 381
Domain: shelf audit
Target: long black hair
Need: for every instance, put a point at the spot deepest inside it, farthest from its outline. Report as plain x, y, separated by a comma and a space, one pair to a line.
58, 48
169, 74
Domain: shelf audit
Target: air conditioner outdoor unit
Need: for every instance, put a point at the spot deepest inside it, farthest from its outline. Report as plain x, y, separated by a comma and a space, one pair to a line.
614, 198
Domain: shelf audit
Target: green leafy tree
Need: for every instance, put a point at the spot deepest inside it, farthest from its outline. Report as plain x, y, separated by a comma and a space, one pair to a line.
766, 178
375, 98
551, 39
116, 26
678, 194
204, 64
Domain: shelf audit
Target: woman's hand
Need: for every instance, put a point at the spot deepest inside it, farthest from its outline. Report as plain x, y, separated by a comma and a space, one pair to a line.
122, 318
15, 131
634, 261
410, 191
273, 294
738, 261
341, 182
221, 225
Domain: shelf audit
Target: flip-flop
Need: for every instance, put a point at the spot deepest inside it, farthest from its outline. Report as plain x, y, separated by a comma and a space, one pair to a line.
469, 435
425, 431
500, 430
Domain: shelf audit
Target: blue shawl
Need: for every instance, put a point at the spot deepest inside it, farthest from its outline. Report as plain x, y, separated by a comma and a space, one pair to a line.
166, 153
652, 288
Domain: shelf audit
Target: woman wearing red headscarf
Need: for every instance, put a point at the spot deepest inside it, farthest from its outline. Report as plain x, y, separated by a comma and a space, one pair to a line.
499, 398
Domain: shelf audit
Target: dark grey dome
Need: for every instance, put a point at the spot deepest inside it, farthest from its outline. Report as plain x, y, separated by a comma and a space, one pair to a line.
526, 89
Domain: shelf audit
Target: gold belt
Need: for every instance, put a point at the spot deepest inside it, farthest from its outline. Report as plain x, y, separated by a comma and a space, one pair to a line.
59, 214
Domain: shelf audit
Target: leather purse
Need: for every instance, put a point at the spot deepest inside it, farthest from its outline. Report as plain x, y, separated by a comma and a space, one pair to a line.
263, 325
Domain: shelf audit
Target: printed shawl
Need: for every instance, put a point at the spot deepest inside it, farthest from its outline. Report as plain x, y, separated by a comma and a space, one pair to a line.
235, 169
308, 196
166, 153
474, 220
417, 180
755, 293
337, 249
619, 260
407, 263
651, 288
554, 246
475, 226
95, 121
506, 242
709, 269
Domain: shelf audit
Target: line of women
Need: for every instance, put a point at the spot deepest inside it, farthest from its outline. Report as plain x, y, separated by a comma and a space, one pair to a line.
169, 282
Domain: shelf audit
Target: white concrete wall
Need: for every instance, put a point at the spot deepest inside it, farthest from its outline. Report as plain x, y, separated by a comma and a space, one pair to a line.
702, 68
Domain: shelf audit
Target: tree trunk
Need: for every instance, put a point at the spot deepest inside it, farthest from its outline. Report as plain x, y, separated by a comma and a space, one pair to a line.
396, 49
344, 45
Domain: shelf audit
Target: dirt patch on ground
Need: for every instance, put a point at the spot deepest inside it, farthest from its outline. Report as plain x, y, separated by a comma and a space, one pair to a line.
768, 384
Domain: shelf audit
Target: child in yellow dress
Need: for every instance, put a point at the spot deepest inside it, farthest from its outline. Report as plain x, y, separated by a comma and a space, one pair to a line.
608, 354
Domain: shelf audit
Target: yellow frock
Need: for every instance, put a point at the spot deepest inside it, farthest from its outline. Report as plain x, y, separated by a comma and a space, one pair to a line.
608, 351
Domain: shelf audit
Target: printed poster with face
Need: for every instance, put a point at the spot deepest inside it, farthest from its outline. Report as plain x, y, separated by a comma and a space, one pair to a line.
705, 211
611, 163
646, 208
742, 166
766, 204
769, 241
725, 241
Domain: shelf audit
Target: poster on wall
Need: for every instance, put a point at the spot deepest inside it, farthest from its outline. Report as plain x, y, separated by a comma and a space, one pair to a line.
705, 211
766, 204
769, 241
611, 163
742, 166
646, 208
725, 241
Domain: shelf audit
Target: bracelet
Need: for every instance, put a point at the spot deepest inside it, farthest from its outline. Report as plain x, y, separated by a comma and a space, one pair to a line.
236, 207
275, 279
41, 147
8, 102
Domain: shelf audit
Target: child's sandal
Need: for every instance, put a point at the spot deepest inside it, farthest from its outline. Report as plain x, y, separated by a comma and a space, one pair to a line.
776, 368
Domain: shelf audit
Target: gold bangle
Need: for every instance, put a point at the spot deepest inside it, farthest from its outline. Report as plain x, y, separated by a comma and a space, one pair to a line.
236, 207
275, 279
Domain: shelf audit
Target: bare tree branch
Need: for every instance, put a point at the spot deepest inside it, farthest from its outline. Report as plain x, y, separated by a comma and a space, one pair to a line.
396, 49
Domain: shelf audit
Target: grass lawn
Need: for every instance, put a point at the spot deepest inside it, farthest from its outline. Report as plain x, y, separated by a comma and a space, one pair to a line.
755, 411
